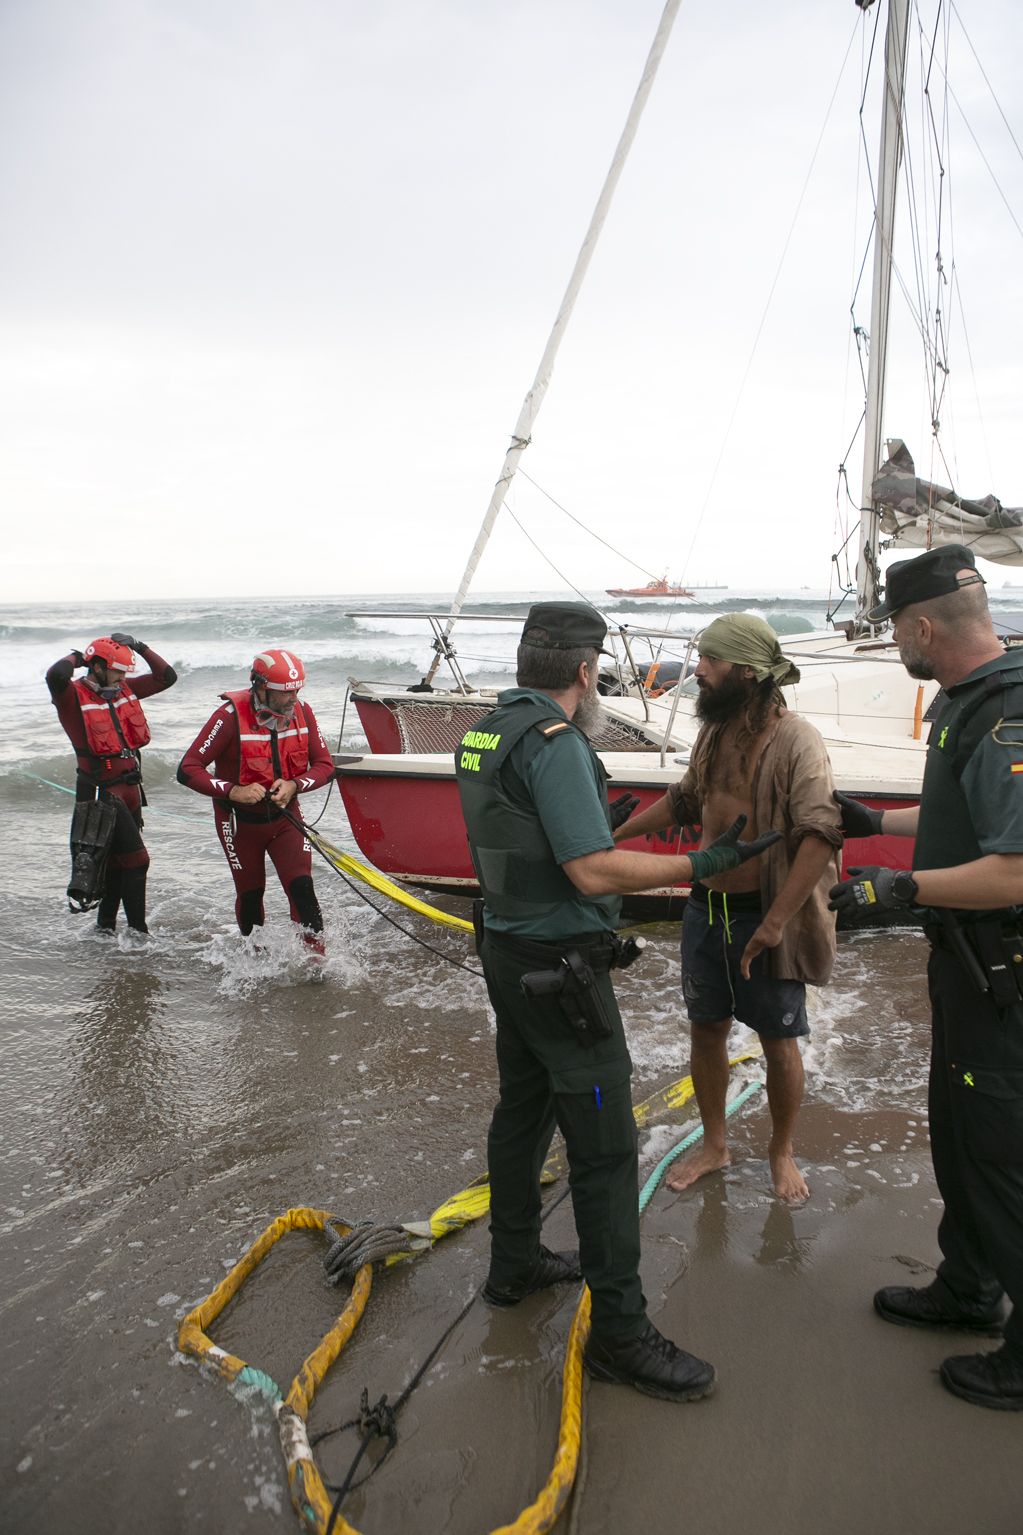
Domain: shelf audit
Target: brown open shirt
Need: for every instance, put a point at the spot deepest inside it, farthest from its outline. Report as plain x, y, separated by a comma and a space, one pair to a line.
791, 792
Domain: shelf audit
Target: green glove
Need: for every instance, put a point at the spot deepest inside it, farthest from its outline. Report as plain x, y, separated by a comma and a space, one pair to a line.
728, 852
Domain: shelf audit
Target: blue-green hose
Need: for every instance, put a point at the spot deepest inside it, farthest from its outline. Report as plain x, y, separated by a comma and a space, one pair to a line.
650, 1186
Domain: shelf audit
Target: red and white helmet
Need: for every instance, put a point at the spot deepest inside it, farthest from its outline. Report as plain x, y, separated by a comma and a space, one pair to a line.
111, 652
279, 670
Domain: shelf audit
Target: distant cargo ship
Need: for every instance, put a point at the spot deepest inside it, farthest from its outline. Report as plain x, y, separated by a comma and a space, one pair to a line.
655, 589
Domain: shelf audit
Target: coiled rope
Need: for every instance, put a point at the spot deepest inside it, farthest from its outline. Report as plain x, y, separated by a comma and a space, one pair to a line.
360, 1244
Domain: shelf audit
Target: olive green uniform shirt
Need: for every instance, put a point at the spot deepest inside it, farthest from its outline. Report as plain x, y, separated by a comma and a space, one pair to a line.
569, 793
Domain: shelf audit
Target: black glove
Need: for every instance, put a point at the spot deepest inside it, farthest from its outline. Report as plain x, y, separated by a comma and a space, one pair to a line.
858, 820
621, 809
728, 852
873, 889
126, 639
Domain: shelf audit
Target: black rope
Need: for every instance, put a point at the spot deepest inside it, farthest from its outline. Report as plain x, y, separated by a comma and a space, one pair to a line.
314, 842
333, 781
380, 1420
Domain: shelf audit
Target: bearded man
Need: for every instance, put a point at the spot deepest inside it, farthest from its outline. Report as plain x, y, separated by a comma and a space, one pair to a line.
754, 936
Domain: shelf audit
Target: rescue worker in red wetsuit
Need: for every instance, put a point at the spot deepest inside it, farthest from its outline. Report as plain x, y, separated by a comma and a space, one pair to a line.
254, 754
105, 723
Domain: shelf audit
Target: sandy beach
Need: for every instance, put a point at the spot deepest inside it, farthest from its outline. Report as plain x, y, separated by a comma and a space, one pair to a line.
163, 1118
159, 1106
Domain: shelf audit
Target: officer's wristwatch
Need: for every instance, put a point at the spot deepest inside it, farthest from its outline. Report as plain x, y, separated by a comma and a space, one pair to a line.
904, 888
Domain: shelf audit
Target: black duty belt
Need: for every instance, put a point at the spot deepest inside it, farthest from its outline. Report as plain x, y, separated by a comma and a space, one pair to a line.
989, 950
598, 949
1007, 922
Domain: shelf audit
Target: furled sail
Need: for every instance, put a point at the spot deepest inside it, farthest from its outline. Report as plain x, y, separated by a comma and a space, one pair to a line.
919, 514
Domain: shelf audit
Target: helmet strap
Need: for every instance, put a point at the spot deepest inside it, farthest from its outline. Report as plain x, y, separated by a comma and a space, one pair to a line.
267, 717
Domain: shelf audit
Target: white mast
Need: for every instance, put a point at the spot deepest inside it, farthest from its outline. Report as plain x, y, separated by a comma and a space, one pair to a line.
867, 583
534, 399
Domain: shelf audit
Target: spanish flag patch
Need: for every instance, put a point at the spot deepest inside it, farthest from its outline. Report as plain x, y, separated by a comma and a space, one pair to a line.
1017, 767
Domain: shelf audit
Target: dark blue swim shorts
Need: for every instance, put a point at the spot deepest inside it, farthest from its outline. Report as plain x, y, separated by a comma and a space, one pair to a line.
713, 942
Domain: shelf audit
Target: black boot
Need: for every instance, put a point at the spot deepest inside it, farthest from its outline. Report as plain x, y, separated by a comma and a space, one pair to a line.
133, 896
989, 1380
935, 1306
549, 1269
652, 1364
106, 912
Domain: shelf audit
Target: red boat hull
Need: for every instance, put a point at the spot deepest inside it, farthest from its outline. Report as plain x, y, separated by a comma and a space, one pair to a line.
380, 725
411, 827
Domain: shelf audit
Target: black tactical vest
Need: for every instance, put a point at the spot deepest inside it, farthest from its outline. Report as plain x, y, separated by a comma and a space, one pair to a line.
945, 836
518, 873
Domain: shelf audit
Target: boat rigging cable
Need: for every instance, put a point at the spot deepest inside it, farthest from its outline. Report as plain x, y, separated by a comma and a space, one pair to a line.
529, 410
309, 1493
656, 654
580, 524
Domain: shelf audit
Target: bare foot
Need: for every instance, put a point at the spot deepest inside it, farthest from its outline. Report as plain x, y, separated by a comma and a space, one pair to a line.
703, 1160
789, 1183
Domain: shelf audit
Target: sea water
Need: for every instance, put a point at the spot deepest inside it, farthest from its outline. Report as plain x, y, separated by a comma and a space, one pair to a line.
161, 1100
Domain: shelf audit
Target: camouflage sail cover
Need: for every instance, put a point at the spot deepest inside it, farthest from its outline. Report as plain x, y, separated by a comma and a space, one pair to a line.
920, 514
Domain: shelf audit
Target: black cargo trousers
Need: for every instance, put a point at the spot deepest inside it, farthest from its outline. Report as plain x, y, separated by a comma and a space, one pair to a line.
976, 1127
547, 1078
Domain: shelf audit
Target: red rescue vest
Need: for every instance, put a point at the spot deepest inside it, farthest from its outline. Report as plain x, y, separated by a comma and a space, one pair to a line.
255, 743
98, 717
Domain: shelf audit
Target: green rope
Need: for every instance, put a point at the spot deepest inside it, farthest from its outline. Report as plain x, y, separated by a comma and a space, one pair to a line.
192, 819
263, 1383
649, 1188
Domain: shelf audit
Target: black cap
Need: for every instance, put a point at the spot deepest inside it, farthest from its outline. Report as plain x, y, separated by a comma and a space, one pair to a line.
564, 626
933, 574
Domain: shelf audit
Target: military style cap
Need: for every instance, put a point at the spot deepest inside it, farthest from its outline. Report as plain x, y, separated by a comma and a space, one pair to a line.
933, 574
564, 626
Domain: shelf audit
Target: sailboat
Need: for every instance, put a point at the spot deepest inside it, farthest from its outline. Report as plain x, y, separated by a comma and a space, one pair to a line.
404, 809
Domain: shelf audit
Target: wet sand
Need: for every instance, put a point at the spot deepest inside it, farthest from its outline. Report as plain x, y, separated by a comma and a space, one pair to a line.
158, 1108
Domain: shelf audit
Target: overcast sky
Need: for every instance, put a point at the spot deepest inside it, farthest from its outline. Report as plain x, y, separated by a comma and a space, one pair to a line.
275, 278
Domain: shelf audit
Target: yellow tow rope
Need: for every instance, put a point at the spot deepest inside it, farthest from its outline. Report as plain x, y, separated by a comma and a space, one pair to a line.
346, 864
309, 1496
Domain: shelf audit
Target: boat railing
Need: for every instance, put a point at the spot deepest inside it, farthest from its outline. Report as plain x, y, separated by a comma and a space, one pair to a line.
631, 673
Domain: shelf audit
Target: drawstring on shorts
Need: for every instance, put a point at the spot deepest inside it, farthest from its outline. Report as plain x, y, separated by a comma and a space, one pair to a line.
724, 911
727, 935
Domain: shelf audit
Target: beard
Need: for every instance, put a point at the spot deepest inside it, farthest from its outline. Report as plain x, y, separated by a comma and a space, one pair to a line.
588, 711
915, 664
716, 705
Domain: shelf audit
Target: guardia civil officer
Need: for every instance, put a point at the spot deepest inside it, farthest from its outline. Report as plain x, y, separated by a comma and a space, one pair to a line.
968, 877
535, 803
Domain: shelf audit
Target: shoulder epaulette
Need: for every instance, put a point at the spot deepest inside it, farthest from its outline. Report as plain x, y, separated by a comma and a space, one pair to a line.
554, 727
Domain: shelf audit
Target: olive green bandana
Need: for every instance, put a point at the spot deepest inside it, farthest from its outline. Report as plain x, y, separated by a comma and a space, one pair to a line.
746, 640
